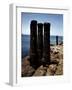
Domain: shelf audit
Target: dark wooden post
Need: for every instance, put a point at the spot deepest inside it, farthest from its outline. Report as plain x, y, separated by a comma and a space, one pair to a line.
33, 43
46, 46
40, 42
56, 40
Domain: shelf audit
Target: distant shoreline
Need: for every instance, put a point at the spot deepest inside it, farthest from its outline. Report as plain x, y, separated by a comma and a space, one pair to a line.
50, 35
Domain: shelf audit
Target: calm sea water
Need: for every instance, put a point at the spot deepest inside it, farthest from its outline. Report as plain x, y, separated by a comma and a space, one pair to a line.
25, 43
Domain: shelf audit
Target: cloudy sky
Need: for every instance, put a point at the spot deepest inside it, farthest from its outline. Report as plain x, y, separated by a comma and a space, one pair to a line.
56, 21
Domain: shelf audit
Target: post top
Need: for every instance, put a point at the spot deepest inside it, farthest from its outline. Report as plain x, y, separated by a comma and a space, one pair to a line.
33, 22
40, 24
46, 23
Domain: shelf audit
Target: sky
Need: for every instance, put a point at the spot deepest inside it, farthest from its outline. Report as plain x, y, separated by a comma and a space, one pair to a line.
56, 21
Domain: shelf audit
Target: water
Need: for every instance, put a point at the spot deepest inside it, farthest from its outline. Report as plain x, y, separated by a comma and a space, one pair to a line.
26, 43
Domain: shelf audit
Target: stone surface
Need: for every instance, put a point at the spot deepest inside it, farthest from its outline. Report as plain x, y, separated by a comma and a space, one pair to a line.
27, 70
41, 71
54, 68
26, 61
54, 61
51, 70
59, 70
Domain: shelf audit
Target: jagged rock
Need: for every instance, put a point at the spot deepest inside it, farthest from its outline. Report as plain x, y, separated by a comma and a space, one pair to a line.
41, 71
28, 71
59, 70
26, 61
54, 68
61, 43
51, 50
54, 61
48, 73
56, 52
61, 56
51, 70
55, 56
61, 62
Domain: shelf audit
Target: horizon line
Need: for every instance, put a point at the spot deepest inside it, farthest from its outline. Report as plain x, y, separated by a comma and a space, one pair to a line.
50, 35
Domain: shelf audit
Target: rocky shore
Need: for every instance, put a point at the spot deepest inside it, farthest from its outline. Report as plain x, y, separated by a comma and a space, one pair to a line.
54, 68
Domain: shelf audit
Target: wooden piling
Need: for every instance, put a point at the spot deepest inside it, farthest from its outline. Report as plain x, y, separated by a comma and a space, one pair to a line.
46, 47
56, 40
40, 42
33, 43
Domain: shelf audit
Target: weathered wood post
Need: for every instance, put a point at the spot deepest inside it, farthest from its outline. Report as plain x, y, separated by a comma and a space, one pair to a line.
46, 47
40, 42
56, 40
33, 43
